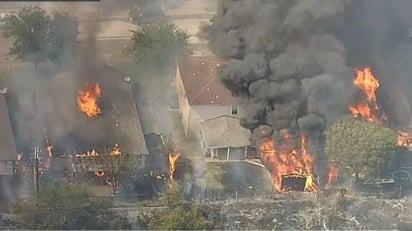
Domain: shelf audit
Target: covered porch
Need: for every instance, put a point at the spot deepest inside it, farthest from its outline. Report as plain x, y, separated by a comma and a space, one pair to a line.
223, 138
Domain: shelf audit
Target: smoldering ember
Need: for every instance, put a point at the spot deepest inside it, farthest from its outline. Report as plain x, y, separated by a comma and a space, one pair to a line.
195, 114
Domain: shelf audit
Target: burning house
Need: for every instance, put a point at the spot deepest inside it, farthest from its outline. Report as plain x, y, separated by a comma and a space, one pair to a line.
292, 62
77, 121
74, 114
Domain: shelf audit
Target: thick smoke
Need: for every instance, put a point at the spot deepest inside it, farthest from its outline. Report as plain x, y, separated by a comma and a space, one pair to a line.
292, 61
24, 98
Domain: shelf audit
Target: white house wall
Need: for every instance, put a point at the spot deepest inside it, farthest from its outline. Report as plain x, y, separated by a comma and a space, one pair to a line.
184, 108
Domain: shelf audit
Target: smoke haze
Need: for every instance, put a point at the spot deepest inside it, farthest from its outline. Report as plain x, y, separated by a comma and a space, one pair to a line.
292, 61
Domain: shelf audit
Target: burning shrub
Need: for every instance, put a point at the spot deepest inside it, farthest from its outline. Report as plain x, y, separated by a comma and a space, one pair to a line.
360, 147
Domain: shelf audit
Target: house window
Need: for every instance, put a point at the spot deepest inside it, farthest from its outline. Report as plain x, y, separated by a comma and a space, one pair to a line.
234, 109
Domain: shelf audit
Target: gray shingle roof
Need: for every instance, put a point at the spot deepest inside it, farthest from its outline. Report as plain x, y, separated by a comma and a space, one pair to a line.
225, 131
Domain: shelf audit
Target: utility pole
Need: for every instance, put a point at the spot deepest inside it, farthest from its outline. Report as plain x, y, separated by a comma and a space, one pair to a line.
36, 172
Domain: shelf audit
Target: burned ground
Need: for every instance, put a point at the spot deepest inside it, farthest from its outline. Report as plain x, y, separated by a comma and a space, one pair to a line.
48, 110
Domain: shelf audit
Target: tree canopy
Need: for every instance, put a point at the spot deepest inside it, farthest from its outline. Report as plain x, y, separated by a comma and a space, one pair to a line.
38, 37
29, 27
360, 147
209, 32
67, 207
62, 37
158, 44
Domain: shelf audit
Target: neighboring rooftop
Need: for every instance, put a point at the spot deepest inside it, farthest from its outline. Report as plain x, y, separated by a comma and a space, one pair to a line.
201, 83
67, 128
225, 131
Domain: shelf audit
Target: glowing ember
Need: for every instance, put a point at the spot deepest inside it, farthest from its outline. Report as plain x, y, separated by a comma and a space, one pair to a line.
368, 108
99, 173
19, 156
88, 154
88, 98
49, 150
173, 157
404, 139
332, 174
282, 162
115, 150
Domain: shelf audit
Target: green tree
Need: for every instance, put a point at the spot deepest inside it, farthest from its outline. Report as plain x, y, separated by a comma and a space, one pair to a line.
67, 207
359, 147
62, 37
158, 44
184, 217
172, 195
29, 28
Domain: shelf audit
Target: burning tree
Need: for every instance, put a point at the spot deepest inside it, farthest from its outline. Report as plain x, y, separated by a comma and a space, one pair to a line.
359, 147
291, 62
173, 157
367, 107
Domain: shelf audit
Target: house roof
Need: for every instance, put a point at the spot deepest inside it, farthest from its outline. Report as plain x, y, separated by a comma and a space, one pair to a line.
68, 129
225, 131
7, 145
201, 83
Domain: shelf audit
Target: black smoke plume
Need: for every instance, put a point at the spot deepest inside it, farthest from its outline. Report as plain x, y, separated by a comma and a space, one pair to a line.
292, 61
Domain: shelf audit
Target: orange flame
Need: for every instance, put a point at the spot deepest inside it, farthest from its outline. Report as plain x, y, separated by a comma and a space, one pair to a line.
87, 100
368, 84
370, 109
115, 150
291, 162
332, 174
89, 154
173, 157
